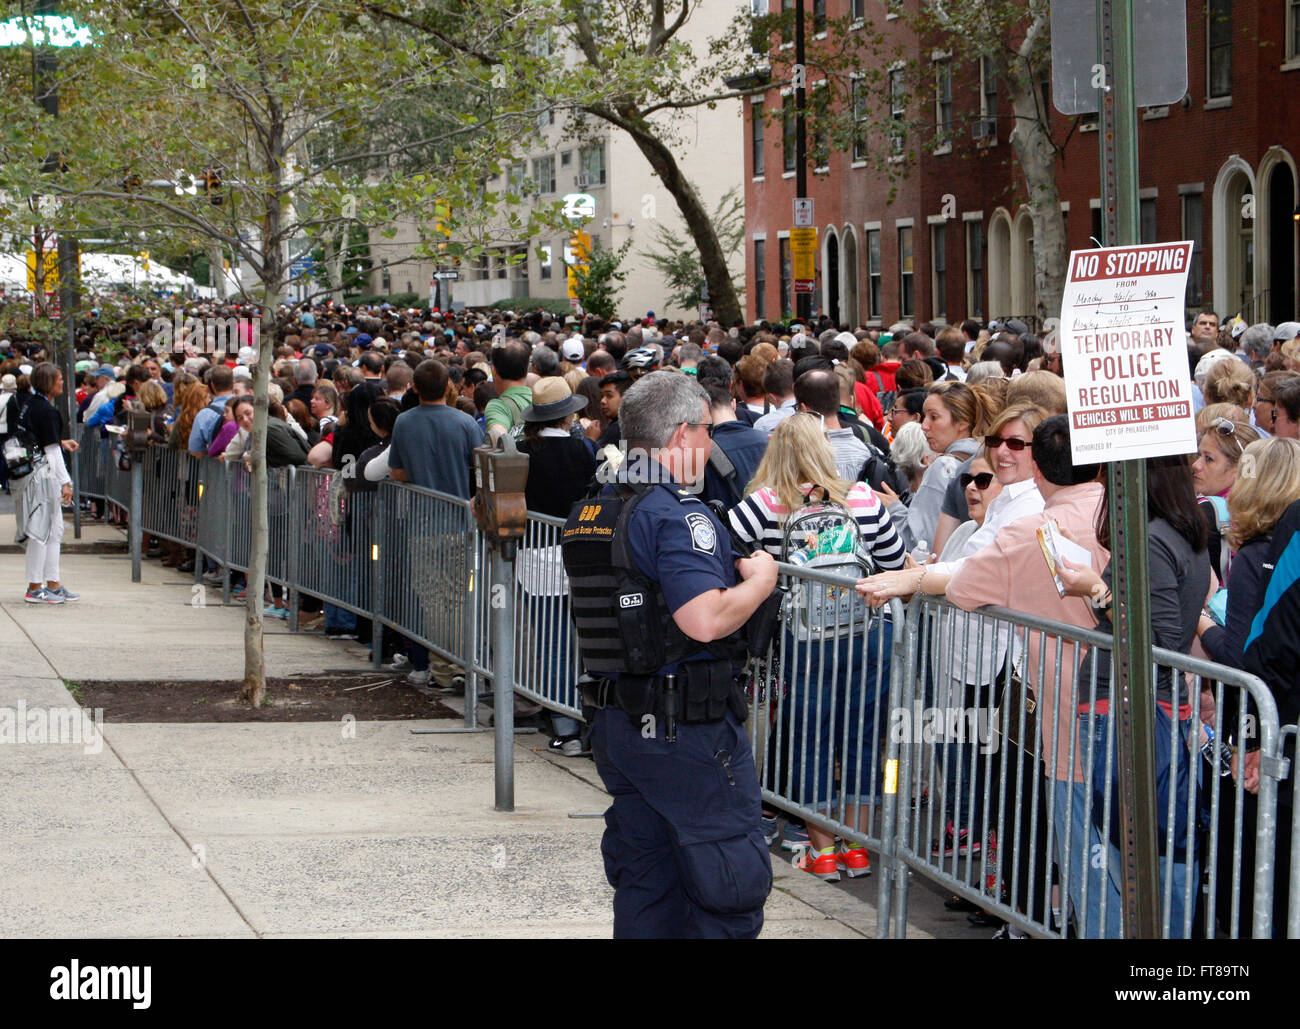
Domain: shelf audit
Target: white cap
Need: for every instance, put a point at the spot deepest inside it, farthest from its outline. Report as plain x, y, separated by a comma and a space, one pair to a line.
573, 350
247, 355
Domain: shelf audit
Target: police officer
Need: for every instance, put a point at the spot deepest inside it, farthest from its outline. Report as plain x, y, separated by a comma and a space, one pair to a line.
683, 847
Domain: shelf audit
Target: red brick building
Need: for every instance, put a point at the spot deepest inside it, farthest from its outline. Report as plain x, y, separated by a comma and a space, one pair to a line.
956, 240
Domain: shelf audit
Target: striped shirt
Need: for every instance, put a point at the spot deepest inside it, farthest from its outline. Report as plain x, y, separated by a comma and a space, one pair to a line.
760, 519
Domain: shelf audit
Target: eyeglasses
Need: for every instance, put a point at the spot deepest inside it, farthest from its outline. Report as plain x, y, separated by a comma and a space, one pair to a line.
707, 425
1225, 428
1012, 444
982, 480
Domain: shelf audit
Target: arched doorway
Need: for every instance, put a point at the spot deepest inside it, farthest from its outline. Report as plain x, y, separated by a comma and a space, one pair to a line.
999, 270
1235, 201
850, 292
1024, 297
831, 277
1277, 236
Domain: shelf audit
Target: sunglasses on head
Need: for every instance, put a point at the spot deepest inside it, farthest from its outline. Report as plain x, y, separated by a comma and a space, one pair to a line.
981, 480
1225, 428
1013, 444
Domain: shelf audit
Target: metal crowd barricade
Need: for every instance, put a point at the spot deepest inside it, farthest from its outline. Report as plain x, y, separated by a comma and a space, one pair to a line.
333, 538
93, 460
427, 577
819, 713
547, 665
212, 525
997, 714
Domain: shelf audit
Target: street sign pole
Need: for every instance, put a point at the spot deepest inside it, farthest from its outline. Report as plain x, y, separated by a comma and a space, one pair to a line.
802, 301
1131, 683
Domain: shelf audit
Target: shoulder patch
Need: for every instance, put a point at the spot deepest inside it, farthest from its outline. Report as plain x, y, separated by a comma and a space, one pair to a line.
703, 536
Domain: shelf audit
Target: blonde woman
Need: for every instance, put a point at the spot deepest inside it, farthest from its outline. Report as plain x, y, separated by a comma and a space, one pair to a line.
834, 686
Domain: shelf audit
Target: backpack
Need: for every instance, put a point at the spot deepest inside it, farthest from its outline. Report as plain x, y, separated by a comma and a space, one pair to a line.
21, 454
726, 471
1218, 604
885, 396
880, 467
824, 536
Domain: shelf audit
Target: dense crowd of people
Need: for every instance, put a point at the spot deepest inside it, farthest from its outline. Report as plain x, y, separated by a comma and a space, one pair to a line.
947, 446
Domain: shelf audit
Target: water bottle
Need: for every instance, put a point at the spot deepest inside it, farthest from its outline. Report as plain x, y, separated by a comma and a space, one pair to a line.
921, 552
1218, 755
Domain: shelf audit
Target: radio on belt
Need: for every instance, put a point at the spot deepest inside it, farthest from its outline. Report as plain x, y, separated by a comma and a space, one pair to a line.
500, 474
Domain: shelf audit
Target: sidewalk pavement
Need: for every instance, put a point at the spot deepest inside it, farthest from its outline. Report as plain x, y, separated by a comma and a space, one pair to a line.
285, 829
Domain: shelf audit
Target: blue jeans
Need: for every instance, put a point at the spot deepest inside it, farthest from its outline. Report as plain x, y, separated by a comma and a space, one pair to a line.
833, 689
338, 619
1100, 862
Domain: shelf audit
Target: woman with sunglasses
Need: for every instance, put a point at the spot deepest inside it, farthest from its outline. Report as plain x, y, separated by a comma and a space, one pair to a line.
836, 684
1214, 472
1012, 463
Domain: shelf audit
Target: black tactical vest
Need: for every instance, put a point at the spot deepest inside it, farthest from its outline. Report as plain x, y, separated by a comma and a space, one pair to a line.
623, 622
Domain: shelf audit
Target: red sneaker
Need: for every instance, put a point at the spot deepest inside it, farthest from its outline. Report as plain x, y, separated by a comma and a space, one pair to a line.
854, 861
824, 866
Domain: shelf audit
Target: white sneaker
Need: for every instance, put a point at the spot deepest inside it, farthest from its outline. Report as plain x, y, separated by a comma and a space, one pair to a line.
417, 678
400, 663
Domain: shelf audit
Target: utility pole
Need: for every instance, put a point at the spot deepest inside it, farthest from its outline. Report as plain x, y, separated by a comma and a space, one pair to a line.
802, 301
1130, 576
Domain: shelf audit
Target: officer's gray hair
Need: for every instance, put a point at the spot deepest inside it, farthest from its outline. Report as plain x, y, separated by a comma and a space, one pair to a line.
656, 404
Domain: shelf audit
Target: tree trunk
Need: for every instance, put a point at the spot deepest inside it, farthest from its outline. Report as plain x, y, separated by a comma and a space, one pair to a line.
334, 266
217, 266
1037, 157
722, 293
272, 269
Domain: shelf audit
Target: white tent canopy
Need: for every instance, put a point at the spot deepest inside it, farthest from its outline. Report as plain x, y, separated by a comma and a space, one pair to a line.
106, 271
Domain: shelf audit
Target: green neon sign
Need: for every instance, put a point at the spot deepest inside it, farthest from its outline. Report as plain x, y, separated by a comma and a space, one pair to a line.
43, 30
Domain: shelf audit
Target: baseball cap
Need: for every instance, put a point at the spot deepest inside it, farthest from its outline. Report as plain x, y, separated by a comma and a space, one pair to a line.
1286, 331
106, 369
573, 350
246, 355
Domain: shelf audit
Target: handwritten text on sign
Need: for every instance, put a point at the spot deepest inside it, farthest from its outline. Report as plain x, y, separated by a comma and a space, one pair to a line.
1127, 380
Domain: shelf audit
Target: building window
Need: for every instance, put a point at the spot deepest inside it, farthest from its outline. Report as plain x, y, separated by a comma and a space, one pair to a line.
1147, 220
481, 268
943, 106
1097, 228
515, 177
546, 117
787, 21
859, 10
591, 165
1292, 29
821, 137
975, 269
897, 111
542, 45
939, 271
788, 137
760, 277
386, 282
906, 292
987, 128
873, 274
819, 16
1192, 229
544, 263
502, 265
859, 120
787, 273
756, 136
1219, 47
566, 158
544, 174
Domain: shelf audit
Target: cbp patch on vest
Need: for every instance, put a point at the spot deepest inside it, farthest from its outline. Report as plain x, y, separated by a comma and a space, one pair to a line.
703, 537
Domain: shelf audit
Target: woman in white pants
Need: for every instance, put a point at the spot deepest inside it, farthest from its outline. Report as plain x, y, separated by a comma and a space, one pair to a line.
41, 495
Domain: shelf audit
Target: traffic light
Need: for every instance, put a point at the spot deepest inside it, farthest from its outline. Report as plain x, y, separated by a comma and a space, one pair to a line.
212, 186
